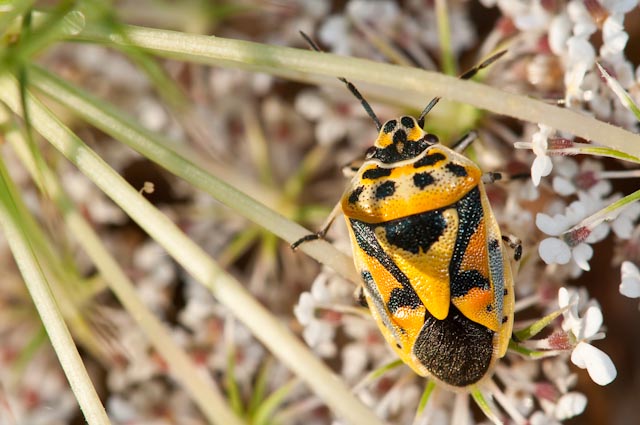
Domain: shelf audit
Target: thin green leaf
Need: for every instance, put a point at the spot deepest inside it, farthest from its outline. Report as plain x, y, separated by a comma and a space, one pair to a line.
624, 97
486, 405
12, 213
537, 326
424, 399
271, 403
259, 390
233, 390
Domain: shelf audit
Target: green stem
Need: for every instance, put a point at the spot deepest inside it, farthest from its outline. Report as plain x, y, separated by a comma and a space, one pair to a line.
11, 218
444, 35
203, 392
393, 82
608, 213
111, 121
608, 152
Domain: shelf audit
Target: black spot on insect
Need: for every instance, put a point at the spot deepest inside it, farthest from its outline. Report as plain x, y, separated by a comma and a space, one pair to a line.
505, 291
353, 197
407, 122
400, 136
465, 281
429, 160
376, 173
489, 308
389, 126
367, 240
494, 244
366, 276
402, 297
398, 346
456, 169
416, 233
386, 189
422, 180
505, 319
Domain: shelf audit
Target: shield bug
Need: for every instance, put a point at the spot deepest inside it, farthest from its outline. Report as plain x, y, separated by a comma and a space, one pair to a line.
429, 251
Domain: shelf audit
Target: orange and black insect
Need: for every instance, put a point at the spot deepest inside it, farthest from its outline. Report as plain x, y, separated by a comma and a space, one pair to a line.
428, 250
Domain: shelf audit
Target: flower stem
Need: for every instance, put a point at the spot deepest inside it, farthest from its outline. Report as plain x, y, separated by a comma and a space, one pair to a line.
608, 213
390, 81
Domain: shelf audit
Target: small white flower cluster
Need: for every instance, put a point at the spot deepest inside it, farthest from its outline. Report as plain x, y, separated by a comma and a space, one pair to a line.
630, 280
571, 230
559, 39
583, 321
317, 333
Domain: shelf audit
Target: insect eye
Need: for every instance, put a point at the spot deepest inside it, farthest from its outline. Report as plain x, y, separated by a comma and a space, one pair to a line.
370, 152
431, 139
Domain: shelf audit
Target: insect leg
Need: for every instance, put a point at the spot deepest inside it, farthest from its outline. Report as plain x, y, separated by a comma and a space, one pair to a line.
493, 176
360, 297
323, 230
515, 244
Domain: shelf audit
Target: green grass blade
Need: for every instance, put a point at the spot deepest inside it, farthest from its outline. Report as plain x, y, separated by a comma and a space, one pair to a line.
14, 227
390, 82
271, 403
113, 122
202, 391
267, 328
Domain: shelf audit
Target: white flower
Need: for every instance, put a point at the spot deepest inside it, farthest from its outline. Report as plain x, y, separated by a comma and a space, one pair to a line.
554, 251
601, 369
630, 284
559, 33
380, 11
536, 18
332, 123
334, 33
557, 250
542, 164
571, 178
573, 241
563, 183
624, 223
318, 333
553, 226
583, 25
581, 254
614, 36
557, 371
570, 405
619, 6
540, 418
584, 329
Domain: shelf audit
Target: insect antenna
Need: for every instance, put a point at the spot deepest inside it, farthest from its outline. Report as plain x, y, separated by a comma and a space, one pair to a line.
470, 73
349, 85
